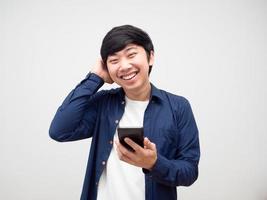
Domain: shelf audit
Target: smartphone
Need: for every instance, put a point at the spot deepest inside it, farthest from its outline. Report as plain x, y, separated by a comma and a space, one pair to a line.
135, 134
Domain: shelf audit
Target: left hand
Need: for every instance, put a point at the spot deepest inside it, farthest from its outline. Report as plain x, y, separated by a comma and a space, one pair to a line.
141, 157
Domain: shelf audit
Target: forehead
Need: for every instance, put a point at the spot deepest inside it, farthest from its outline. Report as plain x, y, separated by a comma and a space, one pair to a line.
126, 49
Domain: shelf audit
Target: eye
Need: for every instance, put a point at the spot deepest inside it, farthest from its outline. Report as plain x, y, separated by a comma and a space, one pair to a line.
131, 55
113, 61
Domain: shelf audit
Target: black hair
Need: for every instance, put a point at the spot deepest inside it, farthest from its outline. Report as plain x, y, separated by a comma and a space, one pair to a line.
119, 37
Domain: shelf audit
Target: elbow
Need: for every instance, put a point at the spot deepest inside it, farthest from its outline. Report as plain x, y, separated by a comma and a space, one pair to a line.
55, 135
191, 178
61, 136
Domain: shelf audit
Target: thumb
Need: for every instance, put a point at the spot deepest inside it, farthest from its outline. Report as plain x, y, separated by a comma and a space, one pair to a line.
149, 145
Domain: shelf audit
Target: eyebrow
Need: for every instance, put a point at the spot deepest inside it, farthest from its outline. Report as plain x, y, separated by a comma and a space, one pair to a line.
130, 47
127, 49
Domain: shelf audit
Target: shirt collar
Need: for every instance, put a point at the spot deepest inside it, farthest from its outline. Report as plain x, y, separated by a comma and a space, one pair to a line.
156, 94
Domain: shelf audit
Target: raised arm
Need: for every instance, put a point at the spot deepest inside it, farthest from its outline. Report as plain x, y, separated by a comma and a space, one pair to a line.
75, 118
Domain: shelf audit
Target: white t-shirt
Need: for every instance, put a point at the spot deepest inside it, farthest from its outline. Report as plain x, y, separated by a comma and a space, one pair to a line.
119, 179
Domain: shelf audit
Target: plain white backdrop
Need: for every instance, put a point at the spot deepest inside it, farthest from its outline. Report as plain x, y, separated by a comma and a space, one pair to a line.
212, 52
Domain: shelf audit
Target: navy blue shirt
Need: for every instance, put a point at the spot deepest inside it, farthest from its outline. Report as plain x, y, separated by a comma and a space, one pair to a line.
168, 122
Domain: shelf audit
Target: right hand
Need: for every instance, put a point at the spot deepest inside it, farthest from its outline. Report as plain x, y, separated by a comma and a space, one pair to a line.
101, 70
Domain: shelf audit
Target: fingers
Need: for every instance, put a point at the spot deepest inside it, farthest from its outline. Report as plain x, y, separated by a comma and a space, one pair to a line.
149, 145
123, 153
100, 69
125, 159
132, 144
144, 158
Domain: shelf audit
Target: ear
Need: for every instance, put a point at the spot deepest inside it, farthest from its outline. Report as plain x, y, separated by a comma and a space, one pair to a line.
151, 58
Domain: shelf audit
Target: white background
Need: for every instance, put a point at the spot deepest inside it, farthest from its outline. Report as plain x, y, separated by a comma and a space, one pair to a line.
212, 52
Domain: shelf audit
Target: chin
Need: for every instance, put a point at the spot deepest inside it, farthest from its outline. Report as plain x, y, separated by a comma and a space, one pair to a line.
134, 87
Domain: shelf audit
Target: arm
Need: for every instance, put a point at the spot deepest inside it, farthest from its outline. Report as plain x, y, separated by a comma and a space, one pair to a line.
70, 122
75, 118
183, 170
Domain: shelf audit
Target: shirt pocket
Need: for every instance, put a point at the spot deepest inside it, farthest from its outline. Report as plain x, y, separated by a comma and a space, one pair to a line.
167, 143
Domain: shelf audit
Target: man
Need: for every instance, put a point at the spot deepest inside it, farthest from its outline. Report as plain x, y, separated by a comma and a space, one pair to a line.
170, 153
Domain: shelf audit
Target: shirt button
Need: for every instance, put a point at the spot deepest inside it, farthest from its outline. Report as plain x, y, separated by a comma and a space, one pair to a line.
122, 102
110, 142
103, 162
96, 183
117, 121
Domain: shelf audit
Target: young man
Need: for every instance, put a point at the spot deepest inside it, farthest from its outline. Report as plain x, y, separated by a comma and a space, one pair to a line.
170, 153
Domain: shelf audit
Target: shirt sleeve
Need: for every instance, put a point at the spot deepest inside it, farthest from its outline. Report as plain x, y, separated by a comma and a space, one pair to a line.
70, 122
183, 170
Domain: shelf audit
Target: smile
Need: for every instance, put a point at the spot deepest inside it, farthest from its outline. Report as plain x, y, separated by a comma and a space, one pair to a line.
129, 76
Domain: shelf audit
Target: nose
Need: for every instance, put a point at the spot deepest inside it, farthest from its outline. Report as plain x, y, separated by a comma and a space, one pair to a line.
125, 65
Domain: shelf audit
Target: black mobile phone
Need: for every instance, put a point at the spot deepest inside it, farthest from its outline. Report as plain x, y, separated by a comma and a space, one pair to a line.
135, 134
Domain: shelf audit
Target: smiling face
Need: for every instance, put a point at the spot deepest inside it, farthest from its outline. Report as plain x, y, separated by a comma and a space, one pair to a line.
129, 68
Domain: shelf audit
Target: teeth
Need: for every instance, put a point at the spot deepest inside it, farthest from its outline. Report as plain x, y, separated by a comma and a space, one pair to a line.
130, 76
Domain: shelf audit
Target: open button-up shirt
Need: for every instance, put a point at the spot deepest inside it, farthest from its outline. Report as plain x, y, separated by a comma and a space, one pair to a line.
168, 122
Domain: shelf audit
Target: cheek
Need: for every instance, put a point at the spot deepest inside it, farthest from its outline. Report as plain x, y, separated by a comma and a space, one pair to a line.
112, 71
142, 61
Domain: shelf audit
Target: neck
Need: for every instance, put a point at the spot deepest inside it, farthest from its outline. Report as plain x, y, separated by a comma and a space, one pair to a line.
140, 95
